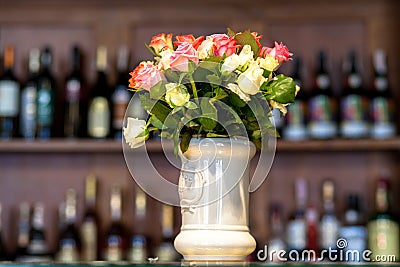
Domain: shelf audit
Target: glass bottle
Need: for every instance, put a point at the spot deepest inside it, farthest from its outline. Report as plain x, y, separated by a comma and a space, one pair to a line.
45, 97
69, 243
73, 105
382, 103
138, 251
166, 251
121, 96
28, 116
353, 230
9, 96
276, 242
23, 231
114, 246
295, 119
296, 235
383, 229
354, 107
99, 113
38, 250
322, 112
89, 226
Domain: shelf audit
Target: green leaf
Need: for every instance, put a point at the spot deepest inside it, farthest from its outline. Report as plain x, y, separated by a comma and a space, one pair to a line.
150, 49
209, 114
185, 141
156, 122
281, 89
235, 101
219, 94
175, 110
191, 105
246, 37
172, 76
158, 90
216, 59
230, 32
214, 79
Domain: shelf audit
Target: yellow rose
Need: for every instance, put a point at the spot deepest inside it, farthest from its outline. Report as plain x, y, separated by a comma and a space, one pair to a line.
251, 80
268, 63
245, 56
205, 49
177, 95
230, 63
235, 88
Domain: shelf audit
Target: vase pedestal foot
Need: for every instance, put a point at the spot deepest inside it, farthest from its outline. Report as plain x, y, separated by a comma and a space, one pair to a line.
215, 245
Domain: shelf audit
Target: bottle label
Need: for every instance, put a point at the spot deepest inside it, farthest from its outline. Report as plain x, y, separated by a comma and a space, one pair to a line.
73, 89
383, 238
381, 83
99, 118
138, 252
113, 251
354, 111
296, 234
121, 98
68, 251
323, 81
89, 241
381, 110
296, 113
354, 80
28, 112
329, 230
9, 95
322, 110
45, 107
166, 252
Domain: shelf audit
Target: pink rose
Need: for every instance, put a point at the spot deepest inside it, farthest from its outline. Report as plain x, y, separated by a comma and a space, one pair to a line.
145, 76
180, 58
280, 52
160, 42
189, 39
223, 44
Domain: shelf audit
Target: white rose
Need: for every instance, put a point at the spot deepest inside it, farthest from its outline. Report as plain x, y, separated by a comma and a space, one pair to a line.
246, 55
268, 63
176, 95
251, 80
133, 129
230, 63
281, 107
205, 49
235, 88
165, 60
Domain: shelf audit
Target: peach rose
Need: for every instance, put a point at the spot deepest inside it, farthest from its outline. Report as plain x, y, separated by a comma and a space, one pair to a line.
160, 42
180, 39
280, 52
145, 76
181, 56
224, 45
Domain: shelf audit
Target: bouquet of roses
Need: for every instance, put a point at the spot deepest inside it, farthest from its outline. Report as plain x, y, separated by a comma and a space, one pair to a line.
216, 86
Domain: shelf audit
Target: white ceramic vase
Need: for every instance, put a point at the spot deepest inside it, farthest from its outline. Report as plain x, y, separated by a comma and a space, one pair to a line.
214, 195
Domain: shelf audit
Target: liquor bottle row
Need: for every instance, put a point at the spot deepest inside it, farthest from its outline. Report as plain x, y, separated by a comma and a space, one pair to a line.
41, 108
359, 111
306, 231
84, 241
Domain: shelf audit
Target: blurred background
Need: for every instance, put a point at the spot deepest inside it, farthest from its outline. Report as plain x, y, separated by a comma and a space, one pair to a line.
78, 53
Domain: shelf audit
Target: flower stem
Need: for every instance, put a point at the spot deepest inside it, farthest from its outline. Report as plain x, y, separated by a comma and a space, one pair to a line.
194, 89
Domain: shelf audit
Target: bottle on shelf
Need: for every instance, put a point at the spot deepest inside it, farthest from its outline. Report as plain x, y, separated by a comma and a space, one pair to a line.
166, 251
45, 97
69, 243
353, 229
38, 250
73, 105
322, 112
89, 227
312, 233
3, 254
23, 231
9, 96
354, 107
276, 242
114, 246
138, 250
295, 119
121, 96
382, 102
99, 113
383, 229
329, 225
28, 116
296, 236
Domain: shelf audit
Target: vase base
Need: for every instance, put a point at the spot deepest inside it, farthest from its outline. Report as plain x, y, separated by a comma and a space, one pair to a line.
214, 245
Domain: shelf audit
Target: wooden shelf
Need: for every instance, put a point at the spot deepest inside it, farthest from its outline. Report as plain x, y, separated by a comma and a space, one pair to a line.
114, 146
